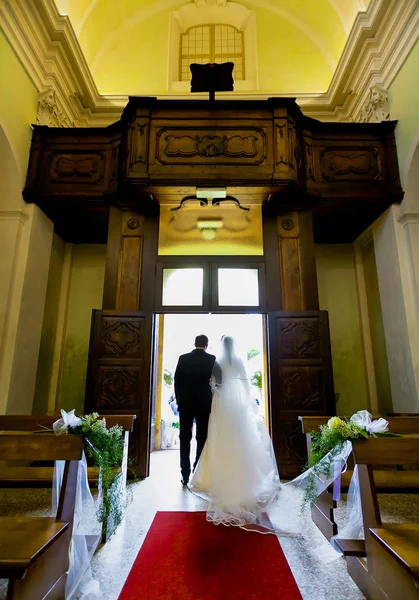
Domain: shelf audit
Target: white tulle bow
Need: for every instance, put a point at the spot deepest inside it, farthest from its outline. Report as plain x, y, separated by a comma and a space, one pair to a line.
363, 419
68, 419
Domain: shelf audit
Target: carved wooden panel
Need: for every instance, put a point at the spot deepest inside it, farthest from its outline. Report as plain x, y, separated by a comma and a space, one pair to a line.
308, 155
119, 388
119, 373
348, 172
288, 149
76, 167
301, 388
298, 338
137, 147
294, 454
216, 146
350, 164
121, 336
73, 163
301, 380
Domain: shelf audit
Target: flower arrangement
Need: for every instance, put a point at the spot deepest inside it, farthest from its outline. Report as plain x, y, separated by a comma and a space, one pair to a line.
104, 447
328, 443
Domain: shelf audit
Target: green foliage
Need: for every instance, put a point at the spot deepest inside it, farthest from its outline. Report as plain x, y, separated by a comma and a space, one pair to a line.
325, 445
104, 449
168, 378
252, 353
256, 379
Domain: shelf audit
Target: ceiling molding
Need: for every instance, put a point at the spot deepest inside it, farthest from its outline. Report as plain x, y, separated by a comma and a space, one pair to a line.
379, 43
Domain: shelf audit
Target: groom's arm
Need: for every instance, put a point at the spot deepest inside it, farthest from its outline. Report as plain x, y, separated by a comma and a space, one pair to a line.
216, 373
178, 379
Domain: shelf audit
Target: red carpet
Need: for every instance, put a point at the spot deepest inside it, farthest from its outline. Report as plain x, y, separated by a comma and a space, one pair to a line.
186, 558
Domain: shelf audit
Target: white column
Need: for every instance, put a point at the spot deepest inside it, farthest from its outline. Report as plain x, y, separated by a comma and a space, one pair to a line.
396, 240
27, 239
61, 330
365, 324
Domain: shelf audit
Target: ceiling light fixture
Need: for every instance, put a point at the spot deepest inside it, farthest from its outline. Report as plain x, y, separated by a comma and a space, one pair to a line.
208, 228
211, 193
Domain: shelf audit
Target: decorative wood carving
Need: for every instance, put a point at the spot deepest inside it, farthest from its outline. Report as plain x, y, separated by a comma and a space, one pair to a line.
294, 446
73, 168
350, 164
293, 160
119, 372
137, 147
297, 262
299, 338
225, 146
302, 388
301, 379
309, 161
287, 142
121, 336
119, 388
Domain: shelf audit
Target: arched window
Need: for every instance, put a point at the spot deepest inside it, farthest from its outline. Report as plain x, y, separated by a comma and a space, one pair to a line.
211, 44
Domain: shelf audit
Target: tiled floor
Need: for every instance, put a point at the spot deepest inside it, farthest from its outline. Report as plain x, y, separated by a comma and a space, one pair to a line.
316, 578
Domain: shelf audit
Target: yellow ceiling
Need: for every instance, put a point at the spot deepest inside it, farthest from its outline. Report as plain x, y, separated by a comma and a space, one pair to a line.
125, 42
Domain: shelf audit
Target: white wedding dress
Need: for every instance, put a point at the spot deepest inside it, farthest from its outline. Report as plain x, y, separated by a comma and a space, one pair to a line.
237, 471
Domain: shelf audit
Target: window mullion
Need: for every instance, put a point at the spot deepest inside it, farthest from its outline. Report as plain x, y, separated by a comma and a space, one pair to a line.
212, 43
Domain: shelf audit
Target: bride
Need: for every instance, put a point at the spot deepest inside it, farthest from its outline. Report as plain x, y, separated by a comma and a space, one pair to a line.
237, 471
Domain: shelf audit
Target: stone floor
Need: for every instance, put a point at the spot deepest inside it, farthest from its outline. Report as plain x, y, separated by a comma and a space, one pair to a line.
316, 578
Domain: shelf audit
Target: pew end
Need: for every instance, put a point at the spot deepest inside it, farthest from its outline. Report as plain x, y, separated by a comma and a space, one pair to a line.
387, 481
392, 550
34, 551
351, 547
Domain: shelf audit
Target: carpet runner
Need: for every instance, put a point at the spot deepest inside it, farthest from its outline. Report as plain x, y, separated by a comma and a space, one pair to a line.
186, 558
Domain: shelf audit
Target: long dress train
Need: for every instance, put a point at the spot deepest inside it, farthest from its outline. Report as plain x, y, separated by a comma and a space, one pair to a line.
237, 471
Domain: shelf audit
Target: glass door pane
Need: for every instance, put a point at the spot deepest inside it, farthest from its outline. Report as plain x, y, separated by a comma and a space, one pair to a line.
238, 287
183, 287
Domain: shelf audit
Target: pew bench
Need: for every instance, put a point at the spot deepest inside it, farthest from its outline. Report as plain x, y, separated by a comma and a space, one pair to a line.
41, 476
404, 481
37, 476
34, 551
389, 567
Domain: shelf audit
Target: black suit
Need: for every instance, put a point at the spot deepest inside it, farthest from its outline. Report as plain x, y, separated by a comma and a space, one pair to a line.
193, 397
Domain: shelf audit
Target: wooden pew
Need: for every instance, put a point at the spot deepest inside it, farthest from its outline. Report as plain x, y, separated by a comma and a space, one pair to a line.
30, 476
386, 565
34, 551
41, 476
322, 510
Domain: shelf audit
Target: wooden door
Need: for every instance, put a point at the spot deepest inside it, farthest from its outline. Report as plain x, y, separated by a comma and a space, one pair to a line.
301, 381
119, 379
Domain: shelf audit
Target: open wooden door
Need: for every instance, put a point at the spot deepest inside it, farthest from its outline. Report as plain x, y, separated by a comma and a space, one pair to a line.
119, 378
301, 381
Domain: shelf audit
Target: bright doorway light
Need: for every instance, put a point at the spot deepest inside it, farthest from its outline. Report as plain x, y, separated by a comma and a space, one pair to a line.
178, 338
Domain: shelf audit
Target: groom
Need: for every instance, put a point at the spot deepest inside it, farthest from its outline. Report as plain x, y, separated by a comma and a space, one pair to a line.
193, 396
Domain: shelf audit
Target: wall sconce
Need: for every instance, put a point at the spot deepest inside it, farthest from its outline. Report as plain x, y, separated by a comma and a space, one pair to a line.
208, 228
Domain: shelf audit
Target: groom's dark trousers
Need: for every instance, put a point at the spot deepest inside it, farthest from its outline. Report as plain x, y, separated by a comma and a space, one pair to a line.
193, 397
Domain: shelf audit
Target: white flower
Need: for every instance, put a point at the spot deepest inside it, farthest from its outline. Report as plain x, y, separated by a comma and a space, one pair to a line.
68, 419
363, 419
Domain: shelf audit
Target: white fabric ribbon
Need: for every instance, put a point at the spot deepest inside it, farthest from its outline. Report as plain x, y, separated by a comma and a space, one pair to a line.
363, 419
68, 419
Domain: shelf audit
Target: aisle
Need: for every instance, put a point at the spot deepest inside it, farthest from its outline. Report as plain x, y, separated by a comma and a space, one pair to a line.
207, 562
163, 491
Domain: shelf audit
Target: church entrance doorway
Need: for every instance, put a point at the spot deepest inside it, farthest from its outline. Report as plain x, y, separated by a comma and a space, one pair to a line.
176, 334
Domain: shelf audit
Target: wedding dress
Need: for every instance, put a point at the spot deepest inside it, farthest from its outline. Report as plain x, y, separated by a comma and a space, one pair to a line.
237, 471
